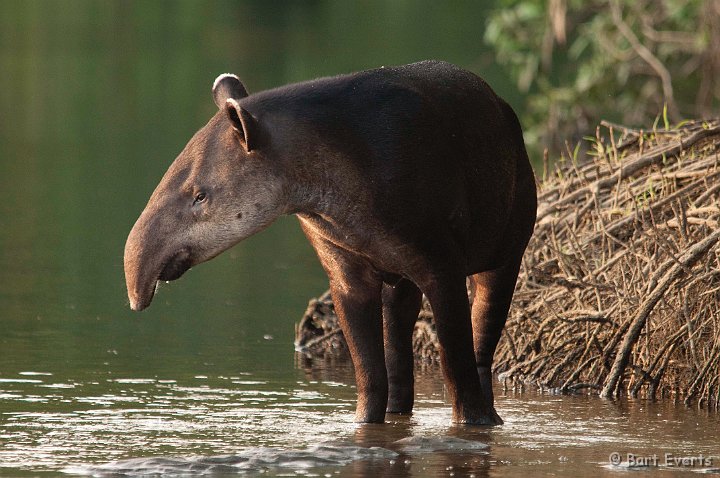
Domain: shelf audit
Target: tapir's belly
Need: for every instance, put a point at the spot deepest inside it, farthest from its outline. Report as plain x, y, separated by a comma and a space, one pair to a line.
470, 239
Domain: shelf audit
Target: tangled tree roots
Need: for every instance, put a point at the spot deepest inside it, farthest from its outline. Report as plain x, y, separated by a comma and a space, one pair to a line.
619, 289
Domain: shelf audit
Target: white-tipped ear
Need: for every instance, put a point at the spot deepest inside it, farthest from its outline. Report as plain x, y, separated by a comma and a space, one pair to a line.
227, 86
242, 122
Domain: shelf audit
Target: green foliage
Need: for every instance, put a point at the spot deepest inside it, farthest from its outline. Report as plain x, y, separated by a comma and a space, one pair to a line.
627, 61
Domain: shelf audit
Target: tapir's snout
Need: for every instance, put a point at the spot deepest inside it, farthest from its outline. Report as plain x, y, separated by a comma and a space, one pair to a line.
150, 257
139, 301
140, 279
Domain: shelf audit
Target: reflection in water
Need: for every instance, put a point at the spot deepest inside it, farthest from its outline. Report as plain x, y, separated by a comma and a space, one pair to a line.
243, 423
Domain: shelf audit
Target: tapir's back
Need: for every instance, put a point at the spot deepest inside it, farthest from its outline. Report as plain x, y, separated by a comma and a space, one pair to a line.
431, 143
442, 137
432, 111
482, 179
473, 134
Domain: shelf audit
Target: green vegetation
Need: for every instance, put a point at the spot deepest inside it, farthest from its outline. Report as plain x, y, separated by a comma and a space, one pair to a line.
627, 61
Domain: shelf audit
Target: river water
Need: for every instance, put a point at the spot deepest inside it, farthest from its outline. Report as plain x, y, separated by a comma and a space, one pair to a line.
295, 419
96, 99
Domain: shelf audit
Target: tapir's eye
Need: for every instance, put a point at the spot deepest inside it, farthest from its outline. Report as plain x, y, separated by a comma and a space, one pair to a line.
200, 197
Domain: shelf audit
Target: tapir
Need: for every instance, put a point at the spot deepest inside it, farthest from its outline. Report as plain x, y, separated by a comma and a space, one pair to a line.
406, 180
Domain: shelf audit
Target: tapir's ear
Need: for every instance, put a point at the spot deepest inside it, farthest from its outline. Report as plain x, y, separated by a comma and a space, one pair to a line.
243, 123
227, 86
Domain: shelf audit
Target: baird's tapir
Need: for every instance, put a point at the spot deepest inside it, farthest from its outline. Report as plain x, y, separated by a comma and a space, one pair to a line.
406, 180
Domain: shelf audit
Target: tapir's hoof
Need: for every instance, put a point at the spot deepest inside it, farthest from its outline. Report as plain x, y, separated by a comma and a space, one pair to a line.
496, 418
400, 407
376, 417
490, 418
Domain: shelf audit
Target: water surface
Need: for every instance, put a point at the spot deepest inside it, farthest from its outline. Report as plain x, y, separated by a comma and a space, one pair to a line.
109, 423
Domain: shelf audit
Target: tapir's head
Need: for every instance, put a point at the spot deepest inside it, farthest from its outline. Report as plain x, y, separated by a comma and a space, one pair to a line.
220, 190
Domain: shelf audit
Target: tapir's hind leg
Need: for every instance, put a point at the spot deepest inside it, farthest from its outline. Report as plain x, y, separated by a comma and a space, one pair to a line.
401, 304
493, 291
449, 301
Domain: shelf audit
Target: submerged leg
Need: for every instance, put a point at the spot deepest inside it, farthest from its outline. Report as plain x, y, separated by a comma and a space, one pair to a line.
401, 304
493, 291
356, 290
451, 309
359, 309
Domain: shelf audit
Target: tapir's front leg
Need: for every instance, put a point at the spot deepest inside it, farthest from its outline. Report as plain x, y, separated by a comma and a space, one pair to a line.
358, 306
356, 290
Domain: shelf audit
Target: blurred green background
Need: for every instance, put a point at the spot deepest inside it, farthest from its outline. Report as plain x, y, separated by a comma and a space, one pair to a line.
98, 97
96, 100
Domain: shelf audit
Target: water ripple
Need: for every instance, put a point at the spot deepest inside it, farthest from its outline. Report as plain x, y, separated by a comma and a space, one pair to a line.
255, 459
